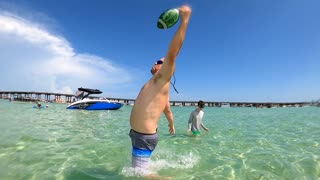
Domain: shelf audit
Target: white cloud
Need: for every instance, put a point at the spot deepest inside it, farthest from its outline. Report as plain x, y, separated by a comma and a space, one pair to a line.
33, 58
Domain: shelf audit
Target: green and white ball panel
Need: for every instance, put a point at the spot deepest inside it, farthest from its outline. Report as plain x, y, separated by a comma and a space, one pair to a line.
168, 18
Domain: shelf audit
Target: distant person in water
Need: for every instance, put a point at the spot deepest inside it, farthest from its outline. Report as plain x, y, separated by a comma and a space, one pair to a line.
153, 100
195, 120
38, 105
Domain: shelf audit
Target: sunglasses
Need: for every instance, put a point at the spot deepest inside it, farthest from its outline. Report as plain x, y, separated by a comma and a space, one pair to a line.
158, 62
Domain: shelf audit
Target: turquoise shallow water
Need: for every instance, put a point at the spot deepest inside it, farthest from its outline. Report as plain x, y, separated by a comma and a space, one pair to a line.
243, 143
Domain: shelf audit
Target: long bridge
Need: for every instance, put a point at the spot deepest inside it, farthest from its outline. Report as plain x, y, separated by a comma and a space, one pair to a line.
68, 98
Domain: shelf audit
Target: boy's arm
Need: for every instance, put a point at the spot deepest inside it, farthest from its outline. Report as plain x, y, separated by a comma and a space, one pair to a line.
190, 120
203, 126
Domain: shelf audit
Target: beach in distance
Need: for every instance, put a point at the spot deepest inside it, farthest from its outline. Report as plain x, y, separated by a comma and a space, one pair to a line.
243, 143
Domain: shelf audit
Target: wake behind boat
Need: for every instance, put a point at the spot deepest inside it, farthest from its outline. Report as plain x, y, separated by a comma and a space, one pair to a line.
93, 104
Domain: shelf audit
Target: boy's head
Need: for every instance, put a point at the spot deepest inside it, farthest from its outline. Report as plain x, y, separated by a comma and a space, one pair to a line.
201, 104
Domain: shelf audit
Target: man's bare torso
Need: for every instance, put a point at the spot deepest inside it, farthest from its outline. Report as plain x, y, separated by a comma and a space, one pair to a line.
149, 106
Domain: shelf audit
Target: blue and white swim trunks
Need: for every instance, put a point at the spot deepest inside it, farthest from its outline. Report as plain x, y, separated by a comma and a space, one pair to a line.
142, 148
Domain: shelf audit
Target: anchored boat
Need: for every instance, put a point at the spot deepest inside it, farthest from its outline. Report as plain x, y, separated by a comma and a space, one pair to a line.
93, 104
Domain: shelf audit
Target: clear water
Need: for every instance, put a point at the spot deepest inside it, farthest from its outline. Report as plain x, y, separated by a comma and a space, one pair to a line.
243, 143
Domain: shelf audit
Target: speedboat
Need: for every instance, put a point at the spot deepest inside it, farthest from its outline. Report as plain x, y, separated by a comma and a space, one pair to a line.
86, 103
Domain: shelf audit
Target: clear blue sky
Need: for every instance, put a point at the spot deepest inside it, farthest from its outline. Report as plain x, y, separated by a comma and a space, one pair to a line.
245, 50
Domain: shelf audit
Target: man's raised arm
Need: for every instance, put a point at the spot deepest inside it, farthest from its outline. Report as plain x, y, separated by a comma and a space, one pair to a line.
176, 43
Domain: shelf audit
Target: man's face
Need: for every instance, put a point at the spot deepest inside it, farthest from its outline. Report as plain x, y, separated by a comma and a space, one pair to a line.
157, 66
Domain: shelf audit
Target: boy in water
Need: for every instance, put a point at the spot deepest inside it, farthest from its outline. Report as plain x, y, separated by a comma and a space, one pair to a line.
153, 100
195, 119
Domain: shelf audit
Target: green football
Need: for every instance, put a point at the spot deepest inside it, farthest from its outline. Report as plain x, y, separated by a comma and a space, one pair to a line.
168, 18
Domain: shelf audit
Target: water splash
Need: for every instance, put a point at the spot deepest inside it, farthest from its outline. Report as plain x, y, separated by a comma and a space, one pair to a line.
171, 160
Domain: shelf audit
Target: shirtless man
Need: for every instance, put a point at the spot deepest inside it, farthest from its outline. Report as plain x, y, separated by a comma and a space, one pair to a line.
153, 99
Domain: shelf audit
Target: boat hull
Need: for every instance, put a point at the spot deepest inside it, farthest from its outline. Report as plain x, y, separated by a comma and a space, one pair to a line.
95, 105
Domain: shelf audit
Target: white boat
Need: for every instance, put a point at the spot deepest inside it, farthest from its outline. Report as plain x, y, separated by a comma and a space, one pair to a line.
93, 104
225, 105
